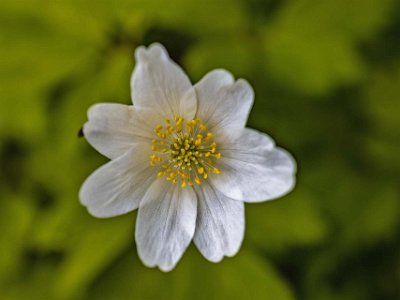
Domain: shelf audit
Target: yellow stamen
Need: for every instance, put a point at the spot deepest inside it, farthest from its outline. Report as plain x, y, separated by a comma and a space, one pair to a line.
197, 180
184, 152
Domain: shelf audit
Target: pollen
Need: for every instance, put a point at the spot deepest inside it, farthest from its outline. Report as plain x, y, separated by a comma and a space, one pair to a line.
184, 152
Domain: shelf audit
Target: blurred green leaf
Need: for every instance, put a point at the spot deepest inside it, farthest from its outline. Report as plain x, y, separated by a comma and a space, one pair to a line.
375, 222
16, 217
378, 219
246, 276
278, 225
96, 247
231, 54
202, 18
312, 45
382, 104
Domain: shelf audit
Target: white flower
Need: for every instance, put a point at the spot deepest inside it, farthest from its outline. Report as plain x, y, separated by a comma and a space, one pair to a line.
183, 156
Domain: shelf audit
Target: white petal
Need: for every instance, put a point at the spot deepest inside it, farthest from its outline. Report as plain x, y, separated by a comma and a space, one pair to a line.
158, 83
165, 224
112, 129
223, 104
220, 224
118, 186
252, 170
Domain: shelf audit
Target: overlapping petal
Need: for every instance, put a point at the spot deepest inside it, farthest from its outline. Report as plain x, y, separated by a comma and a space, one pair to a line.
165, 224
254, 170
224, 104
220, 224
118, 186
159, 84
113, 129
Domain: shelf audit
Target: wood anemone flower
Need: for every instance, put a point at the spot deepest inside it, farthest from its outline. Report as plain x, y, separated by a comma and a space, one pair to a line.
182, 155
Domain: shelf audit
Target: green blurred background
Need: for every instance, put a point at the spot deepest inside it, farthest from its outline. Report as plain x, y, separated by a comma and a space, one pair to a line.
326, 75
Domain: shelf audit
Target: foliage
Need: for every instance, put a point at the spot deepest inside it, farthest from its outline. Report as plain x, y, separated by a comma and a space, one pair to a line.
327, 80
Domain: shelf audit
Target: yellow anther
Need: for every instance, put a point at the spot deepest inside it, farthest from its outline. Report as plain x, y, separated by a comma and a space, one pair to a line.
183, 184
207, 154
161, 173
200, 170
154, 141
178, 121
203, 127
217, 171
205, 176
197, 180
209, 136
218, 155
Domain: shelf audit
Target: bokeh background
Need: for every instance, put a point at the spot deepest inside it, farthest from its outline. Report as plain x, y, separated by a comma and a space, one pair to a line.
326, 75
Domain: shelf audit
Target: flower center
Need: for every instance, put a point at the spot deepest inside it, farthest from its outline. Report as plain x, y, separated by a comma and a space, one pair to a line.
186, 151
